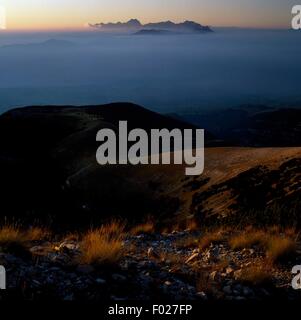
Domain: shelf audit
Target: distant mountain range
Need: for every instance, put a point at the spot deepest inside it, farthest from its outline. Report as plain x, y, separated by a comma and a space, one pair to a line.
135, 25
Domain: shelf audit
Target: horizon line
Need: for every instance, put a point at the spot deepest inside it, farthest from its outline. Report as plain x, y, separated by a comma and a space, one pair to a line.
90, 29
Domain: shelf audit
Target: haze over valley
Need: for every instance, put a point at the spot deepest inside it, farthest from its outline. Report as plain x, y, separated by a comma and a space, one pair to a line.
162, 71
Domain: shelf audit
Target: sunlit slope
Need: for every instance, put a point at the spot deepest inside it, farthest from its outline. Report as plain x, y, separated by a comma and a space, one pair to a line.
235, 181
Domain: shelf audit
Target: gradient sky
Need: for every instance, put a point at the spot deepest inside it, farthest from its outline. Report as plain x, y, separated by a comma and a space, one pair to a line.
74, 14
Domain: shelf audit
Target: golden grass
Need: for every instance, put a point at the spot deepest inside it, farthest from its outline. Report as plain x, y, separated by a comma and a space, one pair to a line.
248, 239
255, 275
211, 238
103, 246
114, 229
280, 248
202, 242
13, 234
291, 232
37, 234
144, 228
277, 244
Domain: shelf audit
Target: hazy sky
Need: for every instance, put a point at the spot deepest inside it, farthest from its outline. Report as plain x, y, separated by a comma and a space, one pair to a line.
62, 14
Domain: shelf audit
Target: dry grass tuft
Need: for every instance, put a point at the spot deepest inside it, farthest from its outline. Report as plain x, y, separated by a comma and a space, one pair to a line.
183, 225
13, 234
248, 239
255, 275
280, 248
17, 241
37, 234
291, 232
144, 228
201, 242
277, 245
103, 246
114, 229
211, 238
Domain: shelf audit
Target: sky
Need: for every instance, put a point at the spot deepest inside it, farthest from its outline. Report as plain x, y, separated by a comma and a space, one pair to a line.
75, 14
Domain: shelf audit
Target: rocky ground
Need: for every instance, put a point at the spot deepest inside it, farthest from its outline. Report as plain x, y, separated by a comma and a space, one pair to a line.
153, 266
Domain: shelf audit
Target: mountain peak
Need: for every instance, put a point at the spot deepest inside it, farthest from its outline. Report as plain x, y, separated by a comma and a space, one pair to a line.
134, 24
